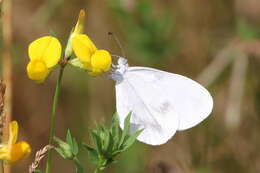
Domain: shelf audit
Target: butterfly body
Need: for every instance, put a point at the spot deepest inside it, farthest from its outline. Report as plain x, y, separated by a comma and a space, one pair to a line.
161, 103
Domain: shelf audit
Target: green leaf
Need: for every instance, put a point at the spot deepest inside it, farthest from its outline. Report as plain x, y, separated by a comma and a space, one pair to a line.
61, 153
115, 153
131, 139
93, 154
110, 145
76, 62
97, 140
106, 140
126, 129
69, 138
115, 122
102, 133
64, 149
115, 130
75, 148
68, 49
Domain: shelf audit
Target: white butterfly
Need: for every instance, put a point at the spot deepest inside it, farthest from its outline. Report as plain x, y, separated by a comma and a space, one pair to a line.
161, 103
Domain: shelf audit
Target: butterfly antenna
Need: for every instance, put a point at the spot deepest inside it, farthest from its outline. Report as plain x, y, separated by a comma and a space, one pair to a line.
118, 43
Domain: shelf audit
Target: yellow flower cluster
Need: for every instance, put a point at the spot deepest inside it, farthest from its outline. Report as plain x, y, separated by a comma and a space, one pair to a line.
94, 60
12, 151
45, 53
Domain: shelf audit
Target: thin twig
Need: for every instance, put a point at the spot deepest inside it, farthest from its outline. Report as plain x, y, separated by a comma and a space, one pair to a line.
38, 157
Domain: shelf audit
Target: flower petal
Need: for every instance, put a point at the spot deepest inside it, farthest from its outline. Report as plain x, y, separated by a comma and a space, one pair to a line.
83, 48
37, 70
79, 28
4, 152
13, 132
47, 48
19, 151
101, 62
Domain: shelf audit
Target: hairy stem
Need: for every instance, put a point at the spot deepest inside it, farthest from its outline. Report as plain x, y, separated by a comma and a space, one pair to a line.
53, 118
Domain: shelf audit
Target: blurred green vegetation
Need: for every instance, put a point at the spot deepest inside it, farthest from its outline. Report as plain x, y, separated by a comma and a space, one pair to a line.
247, 31
149, 35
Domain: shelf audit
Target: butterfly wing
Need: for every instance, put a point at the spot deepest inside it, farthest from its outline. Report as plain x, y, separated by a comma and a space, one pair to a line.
161, 103
151, 109
191, 101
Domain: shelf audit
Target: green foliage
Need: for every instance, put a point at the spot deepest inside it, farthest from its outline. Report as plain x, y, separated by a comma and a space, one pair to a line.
37, 171
247, 31
76, 62
147, 34
69, 149
109, 142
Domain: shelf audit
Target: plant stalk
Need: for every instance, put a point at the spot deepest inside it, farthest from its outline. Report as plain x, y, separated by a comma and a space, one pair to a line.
53, 118
79, 168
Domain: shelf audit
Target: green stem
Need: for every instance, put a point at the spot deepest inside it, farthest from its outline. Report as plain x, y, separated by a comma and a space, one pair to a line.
53, 118
79, 168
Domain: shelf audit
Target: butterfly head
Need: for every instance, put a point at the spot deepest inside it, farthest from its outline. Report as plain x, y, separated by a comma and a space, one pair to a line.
119, 69
122, 64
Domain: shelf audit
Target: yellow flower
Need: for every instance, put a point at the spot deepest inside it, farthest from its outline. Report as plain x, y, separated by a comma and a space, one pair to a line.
12, 151
94, 60
37, 70
44, 53
79, 29
84, 48
100, 62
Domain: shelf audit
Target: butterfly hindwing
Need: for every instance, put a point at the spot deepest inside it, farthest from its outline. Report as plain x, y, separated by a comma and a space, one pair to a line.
151, 109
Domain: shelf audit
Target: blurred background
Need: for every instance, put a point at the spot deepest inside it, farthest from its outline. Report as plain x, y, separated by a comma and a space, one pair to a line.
214, 42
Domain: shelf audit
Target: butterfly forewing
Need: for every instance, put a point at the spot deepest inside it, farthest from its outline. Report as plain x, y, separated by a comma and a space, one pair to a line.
190, 101
151, 109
